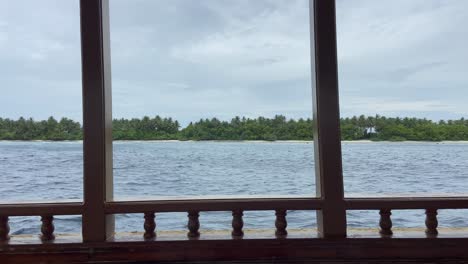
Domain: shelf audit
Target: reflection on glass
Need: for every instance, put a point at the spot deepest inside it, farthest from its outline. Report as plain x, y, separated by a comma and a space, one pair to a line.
40, 101
201, 71
402, 69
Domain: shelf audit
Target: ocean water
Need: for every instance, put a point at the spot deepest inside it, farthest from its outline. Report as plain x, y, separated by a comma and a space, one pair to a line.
46, 171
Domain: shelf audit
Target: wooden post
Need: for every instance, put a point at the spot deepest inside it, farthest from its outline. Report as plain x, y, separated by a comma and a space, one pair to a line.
385, 222
281, 224
4, 228
331, 220
97, 119
149, 226
193, 225
47, 228
237, 224
431, 223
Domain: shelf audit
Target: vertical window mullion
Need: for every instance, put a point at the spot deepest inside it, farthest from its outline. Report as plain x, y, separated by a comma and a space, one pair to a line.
97, 119
331, 220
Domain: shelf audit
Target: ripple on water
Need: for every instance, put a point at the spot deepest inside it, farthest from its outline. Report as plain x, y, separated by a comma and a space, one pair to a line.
54, 170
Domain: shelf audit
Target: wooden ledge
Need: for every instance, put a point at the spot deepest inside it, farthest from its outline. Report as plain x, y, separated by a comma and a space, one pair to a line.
249, 234
255, 249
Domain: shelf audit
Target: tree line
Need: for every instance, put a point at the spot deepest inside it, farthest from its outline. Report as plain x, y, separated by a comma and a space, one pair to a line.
241, 128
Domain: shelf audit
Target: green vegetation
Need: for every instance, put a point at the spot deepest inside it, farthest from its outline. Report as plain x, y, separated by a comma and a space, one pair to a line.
399, 129
261, 128
28, 129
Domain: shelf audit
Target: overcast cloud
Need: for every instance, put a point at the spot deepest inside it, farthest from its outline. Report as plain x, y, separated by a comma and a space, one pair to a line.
193, 59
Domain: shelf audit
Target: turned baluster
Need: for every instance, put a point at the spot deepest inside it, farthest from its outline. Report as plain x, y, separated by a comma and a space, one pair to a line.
47, 228
281, 224
4, 228
237, 224
431, 222
150, 226
385, 222
193, 224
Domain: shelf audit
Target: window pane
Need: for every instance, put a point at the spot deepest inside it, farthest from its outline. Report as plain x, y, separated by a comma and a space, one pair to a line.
402, 67
205, 71
40, 102
406, 223
257, 224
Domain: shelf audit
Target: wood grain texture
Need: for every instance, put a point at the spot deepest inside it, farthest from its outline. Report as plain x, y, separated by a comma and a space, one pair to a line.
149, 226
183, 205
193, 225
406, 203
331, 220
385, 222
97, 120
241, 250
47, 228
281, 224
431, 223
4, 229
38, 209
237, 224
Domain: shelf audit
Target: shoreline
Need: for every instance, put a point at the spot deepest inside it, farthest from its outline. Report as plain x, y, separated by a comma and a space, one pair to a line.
250, 141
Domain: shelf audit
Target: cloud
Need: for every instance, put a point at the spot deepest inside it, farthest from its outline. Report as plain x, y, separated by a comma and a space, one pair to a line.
40, 68
238, 57
194, 59
394, 105
410, 51
272, 44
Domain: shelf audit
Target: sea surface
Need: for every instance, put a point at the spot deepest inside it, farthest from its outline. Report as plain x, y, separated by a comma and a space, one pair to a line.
48, 171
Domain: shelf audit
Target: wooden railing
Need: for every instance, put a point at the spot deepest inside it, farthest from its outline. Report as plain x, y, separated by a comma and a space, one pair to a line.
99, 207
386, 205
46, 211
193, 207
237, 206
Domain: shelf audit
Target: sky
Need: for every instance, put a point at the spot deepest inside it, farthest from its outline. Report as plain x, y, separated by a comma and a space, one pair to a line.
192, 59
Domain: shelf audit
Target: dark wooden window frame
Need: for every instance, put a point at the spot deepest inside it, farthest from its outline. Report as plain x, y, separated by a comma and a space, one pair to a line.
330, 204
97, 120
98, 207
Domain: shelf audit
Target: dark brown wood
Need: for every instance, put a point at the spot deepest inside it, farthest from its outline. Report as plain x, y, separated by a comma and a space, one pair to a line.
237, 224
242, 250
331, 220
98, 206
150, 226
385, 222
47, 228
431, 223
407, 203
97, 120
41, 209
281, 224
193, 225
4, 229
245, 204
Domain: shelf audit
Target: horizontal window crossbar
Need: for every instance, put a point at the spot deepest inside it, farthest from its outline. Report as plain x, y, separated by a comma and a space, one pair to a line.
248, 204
407, 203
33, 209
230, 204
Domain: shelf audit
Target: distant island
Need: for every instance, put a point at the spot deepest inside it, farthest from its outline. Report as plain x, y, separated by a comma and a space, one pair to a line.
376, 128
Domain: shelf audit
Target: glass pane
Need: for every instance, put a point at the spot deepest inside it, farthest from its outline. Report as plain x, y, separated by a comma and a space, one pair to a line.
402, 67
40, 102
204, 97
406, 223
217, 224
